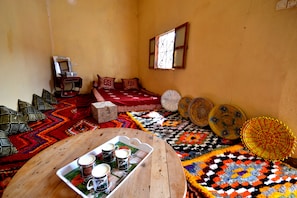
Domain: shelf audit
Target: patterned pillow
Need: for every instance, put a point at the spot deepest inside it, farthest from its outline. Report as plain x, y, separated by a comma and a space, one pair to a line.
106, 83
48, 97
30, 113
41, 105
12, 121
132, 83
6, 147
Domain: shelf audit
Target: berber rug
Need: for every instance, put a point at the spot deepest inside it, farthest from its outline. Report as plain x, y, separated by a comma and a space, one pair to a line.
186, 138
236, 172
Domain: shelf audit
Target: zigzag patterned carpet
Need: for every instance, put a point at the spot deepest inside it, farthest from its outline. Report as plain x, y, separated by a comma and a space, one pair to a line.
49, 131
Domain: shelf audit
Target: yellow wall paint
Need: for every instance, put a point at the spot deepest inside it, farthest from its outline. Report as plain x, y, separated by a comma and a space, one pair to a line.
25, 46
240, 52
100, 37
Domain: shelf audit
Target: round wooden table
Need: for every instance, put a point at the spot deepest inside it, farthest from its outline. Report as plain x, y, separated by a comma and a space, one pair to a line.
160, 175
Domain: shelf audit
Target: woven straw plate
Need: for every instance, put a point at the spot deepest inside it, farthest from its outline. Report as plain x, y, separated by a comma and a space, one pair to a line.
170, 99
199, 109
268, 138
183, 106
226, 121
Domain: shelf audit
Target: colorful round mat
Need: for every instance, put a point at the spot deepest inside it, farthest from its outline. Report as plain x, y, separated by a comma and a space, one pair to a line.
226, 121
183, 105
170, 99
199, 109
268, 138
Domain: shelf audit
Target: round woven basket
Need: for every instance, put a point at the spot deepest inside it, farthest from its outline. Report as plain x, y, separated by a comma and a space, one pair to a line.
170, 99
198, 110
226, 121
183, 106
268, 138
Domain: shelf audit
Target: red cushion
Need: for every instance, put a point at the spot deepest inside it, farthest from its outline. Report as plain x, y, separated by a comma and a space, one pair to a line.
106, 83
130, 84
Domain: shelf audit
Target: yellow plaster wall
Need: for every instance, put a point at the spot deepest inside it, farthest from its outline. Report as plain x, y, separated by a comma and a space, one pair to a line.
24, 50
240, 52
100, 37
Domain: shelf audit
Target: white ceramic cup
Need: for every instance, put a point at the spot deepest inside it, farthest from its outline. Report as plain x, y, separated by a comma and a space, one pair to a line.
122, 158
86, 164
99, 178
108, 150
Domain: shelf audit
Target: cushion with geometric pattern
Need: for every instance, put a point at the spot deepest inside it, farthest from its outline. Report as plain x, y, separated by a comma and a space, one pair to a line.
6, 147
30, 113
132, 83
12, 121
106, 83
48, 97
41, 104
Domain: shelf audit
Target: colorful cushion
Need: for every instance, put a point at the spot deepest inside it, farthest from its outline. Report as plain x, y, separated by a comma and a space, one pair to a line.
48, 97
12, 121
132, 83
41, 105
106, 83
30, 112
6, 147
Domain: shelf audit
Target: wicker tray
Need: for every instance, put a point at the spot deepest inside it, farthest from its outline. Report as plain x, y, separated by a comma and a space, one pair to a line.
226, 121
268, 138
199, 109
170, 99
140, 151
183, 106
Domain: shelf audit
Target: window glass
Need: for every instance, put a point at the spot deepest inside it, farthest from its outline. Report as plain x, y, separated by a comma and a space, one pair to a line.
168, 50
165, 50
